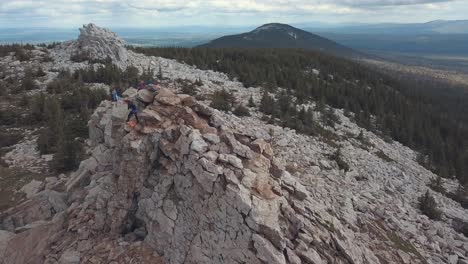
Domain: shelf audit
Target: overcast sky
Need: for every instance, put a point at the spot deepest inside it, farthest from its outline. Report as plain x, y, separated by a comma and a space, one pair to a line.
164, 13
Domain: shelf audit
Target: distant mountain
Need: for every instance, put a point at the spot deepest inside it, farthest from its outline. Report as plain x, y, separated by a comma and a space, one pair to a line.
449, 27
432, 27
280, 36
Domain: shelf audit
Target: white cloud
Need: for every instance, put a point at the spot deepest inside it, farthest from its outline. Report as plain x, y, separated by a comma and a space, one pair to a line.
177, 12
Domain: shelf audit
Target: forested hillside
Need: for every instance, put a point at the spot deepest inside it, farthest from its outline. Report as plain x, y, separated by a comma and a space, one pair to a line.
277, 35
423, 114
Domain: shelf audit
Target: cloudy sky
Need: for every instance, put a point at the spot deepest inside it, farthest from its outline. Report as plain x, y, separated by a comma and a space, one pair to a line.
164, 13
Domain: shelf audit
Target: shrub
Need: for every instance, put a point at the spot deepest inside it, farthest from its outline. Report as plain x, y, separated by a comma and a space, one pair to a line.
130, 76
188, 87
241, 110
337, 157
45, 142
64, 82
22, 54
40, 72
148, 75
423, 160
160, 73
57, 86
190, 90
107, 60
267, 104
198, 82
329, 117
365, 143
82, 99
437, 185
460, 195
9, 117
36, 107
429, 207
52, 45
80, 57
47, 58
222, 100
107, 73
251, 102
49, 137
28, 83
68, 156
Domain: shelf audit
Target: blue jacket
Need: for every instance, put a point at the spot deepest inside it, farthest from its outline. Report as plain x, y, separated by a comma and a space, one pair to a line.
132, 107
115, 96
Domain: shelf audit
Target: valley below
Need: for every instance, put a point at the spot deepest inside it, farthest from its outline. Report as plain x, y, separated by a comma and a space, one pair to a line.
455, 77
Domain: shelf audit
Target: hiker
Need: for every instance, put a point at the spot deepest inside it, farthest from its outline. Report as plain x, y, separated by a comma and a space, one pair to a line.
141, 85
115, 95
133, 111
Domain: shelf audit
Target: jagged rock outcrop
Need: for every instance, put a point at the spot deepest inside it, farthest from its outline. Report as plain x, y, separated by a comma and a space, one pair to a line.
95, 44
185, 191
100, 44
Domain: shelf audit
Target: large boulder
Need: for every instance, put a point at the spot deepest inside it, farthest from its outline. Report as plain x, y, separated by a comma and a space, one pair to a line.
167, 97
32, 188
146, 95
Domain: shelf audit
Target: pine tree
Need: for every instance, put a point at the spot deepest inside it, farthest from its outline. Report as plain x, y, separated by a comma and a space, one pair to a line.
251, 102
437, 185
429, 207
37, 107
338, 158
267, 104
222, 100
199, 82
28, 81
361, 136
329, 117
53, 133
320, 106
160, 73
69, 154
40, 72
241, 110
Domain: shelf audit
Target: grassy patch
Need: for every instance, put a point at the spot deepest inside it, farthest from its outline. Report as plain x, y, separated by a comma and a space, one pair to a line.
404, 245
11, 180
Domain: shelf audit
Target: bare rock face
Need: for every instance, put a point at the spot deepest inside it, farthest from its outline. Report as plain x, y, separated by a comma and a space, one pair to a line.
177, 189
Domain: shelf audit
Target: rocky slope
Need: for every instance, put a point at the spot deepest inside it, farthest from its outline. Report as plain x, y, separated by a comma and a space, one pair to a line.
196, 185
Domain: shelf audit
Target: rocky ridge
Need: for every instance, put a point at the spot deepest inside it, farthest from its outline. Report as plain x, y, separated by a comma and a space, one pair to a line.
198, 185
185, 185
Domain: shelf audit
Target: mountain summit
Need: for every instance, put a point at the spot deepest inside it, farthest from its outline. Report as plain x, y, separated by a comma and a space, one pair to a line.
277, 35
